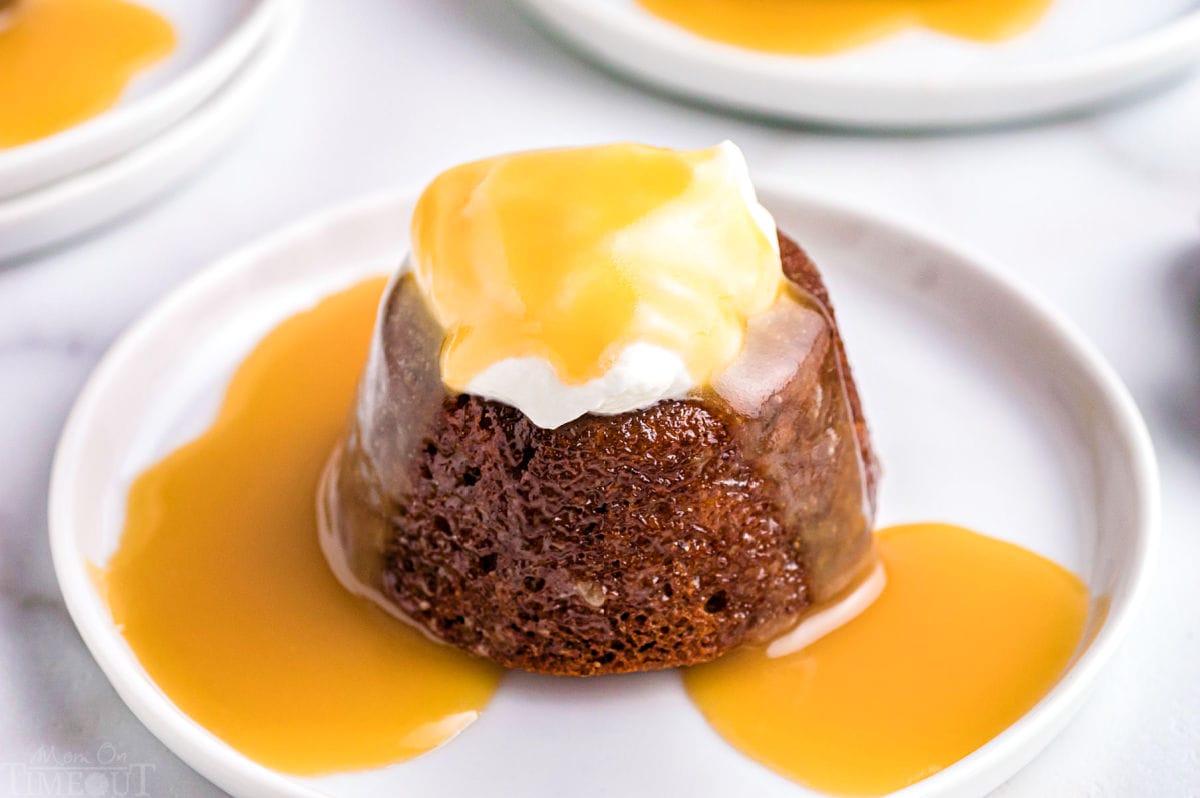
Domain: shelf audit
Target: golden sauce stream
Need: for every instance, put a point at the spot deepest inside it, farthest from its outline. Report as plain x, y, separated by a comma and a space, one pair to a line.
221, 589
821, 27
64, 61
571, 255
968, 635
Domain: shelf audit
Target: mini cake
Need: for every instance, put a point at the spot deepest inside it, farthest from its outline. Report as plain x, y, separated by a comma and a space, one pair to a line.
607, 423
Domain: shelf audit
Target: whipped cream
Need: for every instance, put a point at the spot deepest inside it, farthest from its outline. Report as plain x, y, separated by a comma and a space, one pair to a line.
733, 161
700, 271
643, 375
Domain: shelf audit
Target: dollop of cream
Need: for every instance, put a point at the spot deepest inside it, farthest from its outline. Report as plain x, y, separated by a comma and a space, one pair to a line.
594, 280
643, 375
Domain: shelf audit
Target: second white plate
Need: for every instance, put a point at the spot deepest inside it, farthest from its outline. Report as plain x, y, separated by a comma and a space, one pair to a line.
988, 410
76, 204
214, 40
1082, 53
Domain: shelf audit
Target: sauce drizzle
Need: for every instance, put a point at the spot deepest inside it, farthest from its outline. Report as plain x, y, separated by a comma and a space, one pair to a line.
220, 587
822, 27
969, 633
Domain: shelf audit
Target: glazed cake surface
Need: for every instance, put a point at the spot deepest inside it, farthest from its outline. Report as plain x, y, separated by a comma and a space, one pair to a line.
654, 538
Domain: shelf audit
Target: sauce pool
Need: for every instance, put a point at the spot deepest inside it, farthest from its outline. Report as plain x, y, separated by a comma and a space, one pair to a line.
65, 61
968, 634
220, 587
821, 27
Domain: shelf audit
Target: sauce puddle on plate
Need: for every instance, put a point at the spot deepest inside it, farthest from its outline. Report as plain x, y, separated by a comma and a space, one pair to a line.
64, 61
222, 591
821, 27
969, 633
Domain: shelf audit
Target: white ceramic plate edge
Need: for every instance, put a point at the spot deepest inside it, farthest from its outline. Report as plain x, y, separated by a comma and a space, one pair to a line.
42, 217
120, 129
195, 745
981, 771
661, 55
986, 768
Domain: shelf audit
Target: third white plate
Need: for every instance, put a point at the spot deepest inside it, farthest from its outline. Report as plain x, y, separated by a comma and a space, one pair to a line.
1082, 53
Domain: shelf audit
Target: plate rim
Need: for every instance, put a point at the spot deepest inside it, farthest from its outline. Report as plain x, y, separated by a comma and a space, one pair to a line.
1167, 48
1034, 729
116, 131
233, 771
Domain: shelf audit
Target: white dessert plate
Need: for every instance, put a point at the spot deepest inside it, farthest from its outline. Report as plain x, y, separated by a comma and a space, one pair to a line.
74, 205
988, 410
1083, 52
214, 39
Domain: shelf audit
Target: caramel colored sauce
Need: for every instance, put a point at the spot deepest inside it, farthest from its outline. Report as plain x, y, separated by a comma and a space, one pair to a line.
969, 633
64, 61
572, 255
221, 589
821, 27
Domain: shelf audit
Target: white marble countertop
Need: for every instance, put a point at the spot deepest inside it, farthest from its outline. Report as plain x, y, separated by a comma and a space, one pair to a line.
1099, 213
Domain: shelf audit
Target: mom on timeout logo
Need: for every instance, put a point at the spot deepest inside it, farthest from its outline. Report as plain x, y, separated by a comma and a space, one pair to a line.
50, 771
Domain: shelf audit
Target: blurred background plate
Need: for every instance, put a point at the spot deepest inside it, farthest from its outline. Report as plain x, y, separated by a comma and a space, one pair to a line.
214, 39
1083, 52
76, 204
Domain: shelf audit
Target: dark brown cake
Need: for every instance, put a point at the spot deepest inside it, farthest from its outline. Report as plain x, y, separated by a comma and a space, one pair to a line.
654, 538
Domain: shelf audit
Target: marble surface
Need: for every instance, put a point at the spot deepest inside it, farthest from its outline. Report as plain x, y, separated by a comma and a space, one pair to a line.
1100, 213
